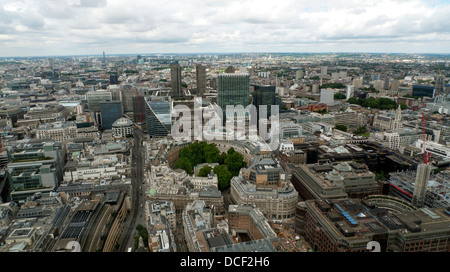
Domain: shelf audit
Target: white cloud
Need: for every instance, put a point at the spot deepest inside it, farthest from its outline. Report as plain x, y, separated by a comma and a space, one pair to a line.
117, 26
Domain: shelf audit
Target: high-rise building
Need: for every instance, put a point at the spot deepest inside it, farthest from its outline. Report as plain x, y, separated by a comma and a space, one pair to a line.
110, 111
113, 79
201, 79
324, 70
158, 117
139, 109
265, 95
422, 90
232, 90
350, 91
421, 184
440, 82
95, 97
327, 96
175, 80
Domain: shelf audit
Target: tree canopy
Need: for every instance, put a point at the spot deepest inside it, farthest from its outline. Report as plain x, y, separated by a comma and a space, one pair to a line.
230, 162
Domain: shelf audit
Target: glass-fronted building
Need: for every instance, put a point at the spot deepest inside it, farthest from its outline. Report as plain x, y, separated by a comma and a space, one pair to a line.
110, 112
158, 115
421, 90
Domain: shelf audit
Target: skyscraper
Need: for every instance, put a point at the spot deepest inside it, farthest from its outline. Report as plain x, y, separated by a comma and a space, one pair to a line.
158, 117
139, 109
95, 97
421, 184
233, 89
440, 82
201, 79
110, 111
175, 80
265, 95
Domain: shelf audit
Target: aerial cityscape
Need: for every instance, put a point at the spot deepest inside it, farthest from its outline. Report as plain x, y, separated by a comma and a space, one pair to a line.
220, 151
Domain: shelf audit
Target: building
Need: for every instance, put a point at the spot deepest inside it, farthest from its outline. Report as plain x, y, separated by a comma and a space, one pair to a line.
246, 220
335, 180
348, 225
161, 219
422, 90
264, 185
13, 113
201, 79
57, 131
265, 95
122, 127
388, 121
110, 112
95, 97
34, 168
139, 106
233, 90
420, 187
175, 80
327, 96
158, 115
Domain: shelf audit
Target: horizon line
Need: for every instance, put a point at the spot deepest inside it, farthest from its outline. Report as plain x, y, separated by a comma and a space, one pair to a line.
226, 53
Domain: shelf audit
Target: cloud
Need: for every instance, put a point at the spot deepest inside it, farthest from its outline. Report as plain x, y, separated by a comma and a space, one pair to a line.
117, 26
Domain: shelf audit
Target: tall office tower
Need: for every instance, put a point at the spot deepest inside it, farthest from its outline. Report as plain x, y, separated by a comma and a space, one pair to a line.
387, 82
327, 96
158, 117
395, 85
175, 80
113, 79
358, 82
139, 109
299, 74
110, 111
324, 70
265, 95
421, 184
201, 79
233, 89
104, 58
127, 93
95, 97
350, 91
230, 70
439, 85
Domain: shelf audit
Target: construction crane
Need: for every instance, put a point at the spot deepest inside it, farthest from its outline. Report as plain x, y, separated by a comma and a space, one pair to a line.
426, 156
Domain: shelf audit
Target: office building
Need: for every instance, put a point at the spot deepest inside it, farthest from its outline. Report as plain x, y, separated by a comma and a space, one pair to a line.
122, 128
201, 79
324, 180
233, 90
139, 109
158, 115
327, 96
348, 225
420, 186
421, 91
264, 184
110, 112
265, 95
57, 131
175, 80
95, 97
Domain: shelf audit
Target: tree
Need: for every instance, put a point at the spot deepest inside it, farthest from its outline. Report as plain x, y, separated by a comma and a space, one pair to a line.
360, 130
234, 163
341, 127
185, 164
204, 171
339, 96
354, 100
223, 175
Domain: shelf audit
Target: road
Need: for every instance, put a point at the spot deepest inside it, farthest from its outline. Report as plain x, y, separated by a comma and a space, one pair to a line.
137, 200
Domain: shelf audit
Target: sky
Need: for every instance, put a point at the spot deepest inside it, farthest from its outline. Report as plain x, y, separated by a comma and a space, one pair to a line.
89, 27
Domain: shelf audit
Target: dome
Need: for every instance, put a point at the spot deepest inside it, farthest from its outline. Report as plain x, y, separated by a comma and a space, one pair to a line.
122, 122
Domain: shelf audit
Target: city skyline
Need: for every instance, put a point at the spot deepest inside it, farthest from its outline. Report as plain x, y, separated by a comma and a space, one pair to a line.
60, 28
